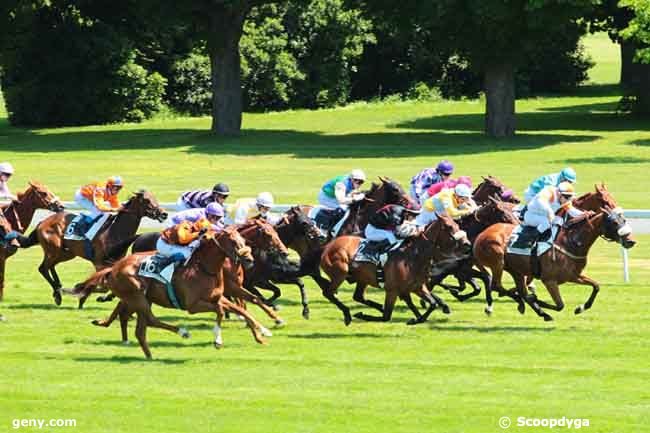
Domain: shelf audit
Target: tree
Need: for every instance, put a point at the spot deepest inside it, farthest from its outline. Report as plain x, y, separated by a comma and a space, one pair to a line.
638, 31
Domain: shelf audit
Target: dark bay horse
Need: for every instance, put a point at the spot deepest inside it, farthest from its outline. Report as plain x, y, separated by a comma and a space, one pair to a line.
494, 211
492, 187
118, 230
406, 271
199, 287
19, 214
563, 263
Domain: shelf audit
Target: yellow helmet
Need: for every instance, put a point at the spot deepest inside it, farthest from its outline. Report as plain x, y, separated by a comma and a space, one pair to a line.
566, 188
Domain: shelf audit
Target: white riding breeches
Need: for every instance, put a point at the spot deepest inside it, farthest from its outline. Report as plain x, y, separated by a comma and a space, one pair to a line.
376, 235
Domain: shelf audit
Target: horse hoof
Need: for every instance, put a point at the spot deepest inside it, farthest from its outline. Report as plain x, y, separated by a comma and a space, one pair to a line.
347, 319
446, 309
580, 309
57, 298
521, 308
305, 314
184, 333
275, 307
126, 343
488, 310
280, 323
411, 322
548, 318
96, 322
218, 344
265, 332
2, 318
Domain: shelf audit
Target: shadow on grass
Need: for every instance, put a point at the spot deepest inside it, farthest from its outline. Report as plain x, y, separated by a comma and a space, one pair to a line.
605, 160
489, 329
49, 307
642, 142
337, 335
118, 343
128, 359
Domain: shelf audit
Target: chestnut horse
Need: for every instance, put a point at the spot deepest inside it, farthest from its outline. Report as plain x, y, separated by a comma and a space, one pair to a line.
563, 263
19, 214
260, 236
494, 211
199, 287
407, 269
116, 231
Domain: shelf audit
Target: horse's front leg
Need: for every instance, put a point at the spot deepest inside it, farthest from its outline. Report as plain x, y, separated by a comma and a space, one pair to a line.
585, 280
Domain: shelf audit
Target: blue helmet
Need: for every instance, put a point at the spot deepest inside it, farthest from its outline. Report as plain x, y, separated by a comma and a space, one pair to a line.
445, 167
569, 174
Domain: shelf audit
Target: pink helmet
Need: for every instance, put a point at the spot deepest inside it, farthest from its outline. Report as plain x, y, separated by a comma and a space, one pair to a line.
465, 180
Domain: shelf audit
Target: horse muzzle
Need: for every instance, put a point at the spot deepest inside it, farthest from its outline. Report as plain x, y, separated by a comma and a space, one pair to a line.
161, 217
627, 242
55, 207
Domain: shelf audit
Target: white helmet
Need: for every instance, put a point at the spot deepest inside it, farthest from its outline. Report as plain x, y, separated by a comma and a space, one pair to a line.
358, 174
5, 167
462, 190
264, 199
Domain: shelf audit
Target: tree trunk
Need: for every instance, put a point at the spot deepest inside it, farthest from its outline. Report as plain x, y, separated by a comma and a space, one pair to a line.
627, 55
226, 27
642, 105
500, 100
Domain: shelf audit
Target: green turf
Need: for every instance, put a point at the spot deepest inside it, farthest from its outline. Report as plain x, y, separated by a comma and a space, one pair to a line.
608, 59
455, 374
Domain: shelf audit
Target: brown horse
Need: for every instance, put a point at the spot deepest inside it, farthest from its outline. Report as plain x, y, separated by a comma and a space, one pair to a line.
20, 212
492, 187
493, 212
199, 287
564, 262
118, 230
407, 269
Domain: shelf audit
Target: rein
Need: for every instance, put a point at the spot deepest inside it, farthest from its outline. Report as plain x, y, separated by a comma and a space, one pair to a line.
566, 253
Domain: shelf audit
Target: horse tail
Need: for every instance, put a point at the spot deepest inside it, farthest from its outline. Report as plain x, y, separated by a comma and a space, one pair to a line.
28, 241
118, 250
98, 282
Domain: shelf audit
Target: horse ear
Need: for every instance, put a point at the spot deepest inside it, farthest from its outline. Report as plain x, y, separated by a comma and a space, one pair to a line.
383, 179
493, 200
483, 177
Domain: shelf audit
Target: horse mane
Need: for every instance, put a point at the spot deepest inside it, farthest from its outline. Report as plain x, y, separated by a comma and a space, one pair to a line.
579, 219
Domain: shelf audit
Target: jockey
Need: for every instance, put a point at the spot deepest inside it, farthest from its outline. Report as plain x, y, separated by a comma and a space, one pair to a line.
392, 222
449, 183
455, 202
259, 208
339, 192
212, 212
179, 241
99, 199
429, 176
6, 170
549, 206
202, 198
566, 175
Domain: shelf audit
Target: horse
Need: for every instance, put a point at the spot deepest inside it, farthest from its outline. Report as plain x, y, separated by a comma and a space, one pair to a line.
564, 262
494, 211
492, 187
263, 240
379, 195
199, 287
118, 230
19, 214
407, 269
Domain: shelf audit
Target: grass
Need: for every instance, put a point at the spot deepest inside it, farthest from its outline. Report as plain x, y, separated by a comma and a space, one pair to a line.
459, 373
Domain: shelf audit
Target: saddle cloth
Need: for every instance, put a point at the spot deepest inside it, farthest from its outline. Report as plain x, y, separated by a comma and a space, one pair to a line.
374, 252
522, 240
76, 230
150, 267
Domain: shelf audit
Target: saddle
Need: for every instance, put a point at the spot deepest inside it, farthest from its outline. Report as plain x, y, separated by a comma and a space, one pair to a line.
327, 219
376, 253
526, 241
161, 268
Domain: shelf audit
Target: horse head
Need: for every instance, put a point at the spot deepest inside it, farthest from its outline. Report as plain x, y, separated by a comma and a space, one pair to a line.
496, 211
233, 245
302, 224
263, 236
41, 197
448, 239
493, 187
595, 200
389, 192
144, 204
616, 228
